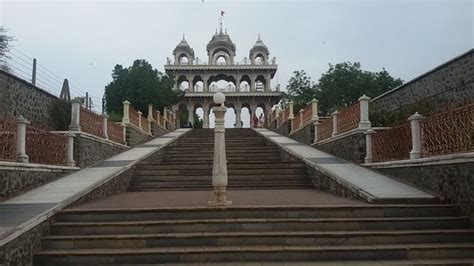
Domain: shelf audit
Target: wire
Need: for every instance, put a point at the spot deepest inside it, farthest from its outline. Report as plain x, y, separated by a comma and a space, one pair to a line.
20, 52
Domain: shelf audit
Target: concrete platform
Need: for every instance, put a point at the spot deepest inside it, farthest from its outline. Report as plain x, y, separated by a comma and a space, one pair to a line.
155, 199
21, 213
369, 184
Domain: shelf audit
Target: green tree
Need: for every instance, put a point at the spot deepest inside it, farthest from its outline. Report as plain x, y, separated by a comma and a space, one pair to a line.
300, 89
340, 86
4, 45
344, 83
141, 85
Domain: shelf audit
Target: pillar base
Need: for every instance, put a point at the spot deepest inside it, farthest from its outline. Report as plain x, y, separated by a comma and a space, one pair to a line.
220, 199
364, 125
74, 128
415, 155
22, 158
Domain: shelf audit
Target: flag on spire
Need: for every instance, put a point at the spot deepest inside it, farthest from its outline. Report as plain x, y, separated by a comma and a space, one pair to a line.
222, 13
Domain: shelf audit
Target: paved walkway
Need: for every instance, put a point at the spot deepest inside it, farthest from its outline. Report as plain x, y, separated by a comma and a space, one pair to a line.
370, 185
21, 213
155, 199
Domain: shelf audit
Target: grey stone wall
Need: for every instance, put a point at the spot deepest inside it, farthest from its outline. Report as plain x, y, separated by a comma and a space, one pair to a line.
449, 83
157, 130
88, 151
136, 137
283, 129
453, 183
14, 181
305, 134
19, 97
350, 147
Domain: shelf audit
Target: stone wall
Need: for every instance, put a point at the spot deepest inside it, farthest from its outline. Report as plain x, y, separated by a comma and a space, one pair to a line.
283, 129
305, 134
349, 147
89, 150
157, 130
19, 97
449, 83
452, 182
16, 178
136, 136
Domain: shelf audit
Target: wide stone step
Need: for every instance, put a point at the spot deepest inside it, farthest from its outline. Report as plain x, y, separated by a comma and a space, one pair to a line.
280, 238
229, 188
255, 253
211, 151
258, 225
249, 165
231, 171
232, 177
234, 212
208, 162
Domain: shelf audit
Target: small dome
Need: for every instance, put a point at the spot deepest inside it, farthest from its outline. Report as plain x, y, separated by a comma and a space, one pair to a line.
183, 46
259, 46
221, 40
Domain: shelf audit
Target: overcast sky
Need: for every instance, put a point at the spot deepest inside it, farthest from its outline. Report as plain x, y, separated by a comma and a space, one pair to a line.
84, 40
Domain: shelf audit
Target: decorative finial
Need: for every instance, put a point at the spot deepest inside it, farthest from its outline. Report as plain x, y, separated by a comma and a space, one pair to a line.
258, 37
226, 31
216, 32
184, 39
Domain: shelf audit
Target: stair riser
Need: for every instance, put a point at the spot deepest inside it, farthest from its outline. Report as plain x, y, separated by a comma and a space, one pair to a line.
257, 227
230, 171
268, 255
256, 166
143, 242
259, 213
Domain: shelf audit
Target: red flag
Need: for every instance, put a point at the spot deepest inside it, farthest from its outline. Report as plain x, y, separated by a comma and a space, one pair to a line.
222, 13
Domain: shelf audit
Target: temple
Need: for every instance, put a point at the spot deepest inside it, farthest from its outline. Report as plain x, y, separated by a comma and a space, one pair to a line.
246, 83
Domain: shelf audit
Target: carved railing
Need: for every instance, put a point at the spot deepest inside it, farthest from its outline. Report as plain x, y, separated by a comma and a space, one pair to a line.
392, 143
115, 132
145, 125
91, 122
283, 117
325, 129
307, 113
134, 116
44, 147
7, 140
296, 122
448, 132
348, 118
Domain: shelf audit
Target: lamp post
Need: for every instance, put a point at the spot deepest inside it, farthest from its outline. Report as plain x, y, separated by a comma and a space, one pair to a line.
219, 166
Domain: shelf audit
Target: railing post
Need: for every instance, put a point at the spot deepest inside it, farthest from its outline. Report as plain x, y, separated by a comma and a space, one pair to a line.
364, 122
291, 116
124, 133
219, 166
314, 110
126, 112
105, 126
70, 149
75, 115
415, 135
21, 123
158, 118
301, 118
150, 112
334, 123
33, 74
140, 119
316, 124
368, 146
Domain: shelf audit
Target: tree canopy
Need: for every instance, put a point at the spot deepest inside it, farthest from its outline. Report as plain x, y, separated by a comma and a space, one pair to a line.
340, 86
141, 85
4, 43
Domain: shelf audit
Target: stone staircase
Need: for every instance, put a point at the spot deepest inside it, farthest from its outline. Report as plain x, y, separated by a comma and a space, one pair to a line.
252, 164
406, 233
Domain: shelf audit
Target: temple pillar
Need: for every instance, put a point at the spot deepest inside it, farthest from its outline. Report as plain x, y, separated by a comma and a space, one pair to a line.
238, 120
190, 115
205, 123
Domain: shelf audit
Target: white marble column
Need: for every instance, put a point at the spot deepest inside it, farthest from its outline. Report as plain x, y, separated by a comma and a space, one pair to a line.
21, 123
205, 121
368, 146
219, 166
70, 149
238, 119
415, 135
75, 115
364, 122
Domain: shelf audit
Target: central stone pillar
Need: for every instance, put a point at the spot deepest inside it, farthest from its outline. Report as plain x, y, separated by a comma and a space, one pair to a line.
190, 115
238, 123
205, 111
219, 166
